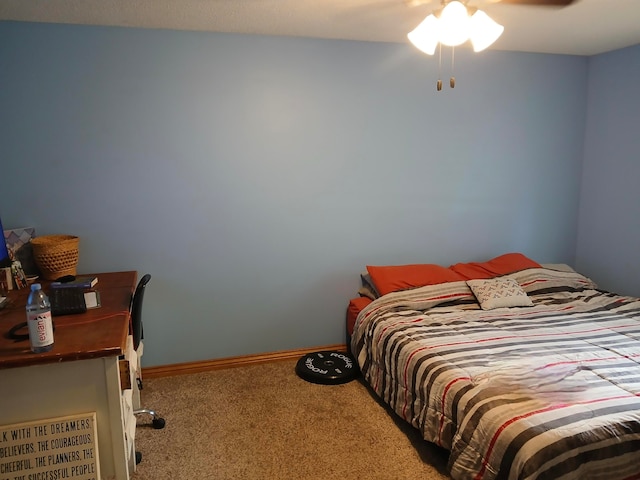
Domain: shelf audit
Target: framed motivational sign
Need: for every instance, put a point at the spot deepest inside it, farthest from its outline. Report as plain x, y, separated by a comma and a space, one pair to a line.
50, 449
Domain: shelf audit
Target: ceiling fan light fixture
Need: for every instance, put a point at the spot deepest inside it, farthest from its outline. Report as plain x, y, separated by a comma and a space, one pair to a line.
426, 36
453, 25
484, 31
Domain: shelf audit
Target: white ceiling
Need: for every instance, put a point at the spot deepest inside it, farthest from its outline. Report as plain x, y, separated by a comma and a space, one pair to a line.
587, 27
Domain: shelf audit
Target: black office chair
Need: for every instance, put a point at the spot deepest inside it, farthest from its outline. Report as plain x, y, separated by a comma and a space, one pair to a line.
136, 321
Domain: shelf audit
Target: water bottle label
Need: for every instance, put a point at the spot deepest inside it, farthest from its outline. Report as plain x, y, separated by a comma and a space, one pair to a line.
40, 329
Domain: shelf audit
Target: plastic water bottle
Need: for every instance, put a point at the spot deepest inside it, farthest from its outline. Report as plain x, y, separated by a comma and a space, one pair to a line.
39, 320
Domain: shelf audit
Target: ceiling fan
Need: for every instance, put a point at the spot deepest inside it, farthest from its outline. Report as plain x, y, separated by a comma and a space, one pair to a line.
455, 21
458, 21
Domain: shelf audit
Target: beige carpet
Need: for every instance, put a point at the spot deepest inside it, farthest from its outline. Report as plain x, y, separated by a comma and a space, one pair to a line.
264, 422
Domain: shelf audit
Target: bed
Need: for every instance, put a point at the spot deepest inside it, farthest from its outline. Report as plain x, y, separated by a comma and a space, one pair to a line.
520, 371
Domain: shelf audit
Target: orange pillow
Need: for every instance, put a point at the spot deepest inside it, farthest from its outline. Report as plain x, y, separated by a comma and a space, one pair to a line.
502, 265
394, 278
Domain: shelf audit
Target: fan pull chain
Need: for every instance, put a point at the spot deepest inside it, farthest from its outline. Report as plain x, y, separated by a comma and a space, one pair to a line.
452, 79
439, 82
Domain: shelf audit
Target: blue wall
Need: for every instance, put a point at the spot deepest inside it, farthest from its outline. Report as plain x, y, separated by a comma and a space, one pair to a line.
609, 233
255, 177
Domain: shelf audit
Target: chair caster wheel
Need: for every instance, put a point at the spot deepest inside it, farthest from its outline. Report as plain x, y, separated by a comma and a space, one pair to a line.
158, 423
138, 457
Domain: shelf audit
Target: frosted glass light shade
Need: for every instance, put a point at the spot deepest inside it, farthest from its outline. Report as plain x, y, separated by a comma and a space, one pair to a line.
426, 36
454, 24
483, 30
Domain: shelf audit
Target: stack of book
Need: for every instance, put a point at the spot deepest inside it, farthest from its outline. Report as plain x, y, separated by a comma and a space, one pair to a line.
82, 281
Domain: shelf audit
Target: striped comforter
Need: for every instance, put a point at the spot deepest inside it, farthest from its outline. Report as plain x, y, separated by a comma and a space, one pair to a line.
549, 391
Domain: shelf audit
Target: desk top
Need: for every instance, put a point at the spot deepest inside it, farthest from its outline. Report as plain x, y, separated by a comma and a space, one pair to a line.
100, 332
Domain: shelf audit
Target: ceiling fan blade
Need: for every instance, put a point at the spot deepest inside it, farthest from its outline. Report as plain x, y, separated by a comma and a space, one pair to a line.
417, 3
551, 3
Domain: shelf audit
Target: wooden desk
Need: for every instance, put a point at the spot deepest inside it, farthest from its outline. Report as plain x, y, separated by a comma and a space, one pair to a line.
80, 374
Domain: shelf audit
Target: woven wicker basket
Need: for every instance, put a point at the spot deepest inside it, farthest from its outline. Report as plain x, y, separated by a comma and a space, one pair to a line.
56, 255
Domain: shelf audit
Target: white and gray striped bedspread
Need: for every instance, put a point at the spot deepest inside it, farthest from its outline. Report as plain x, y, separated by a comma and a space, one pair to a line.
549, 391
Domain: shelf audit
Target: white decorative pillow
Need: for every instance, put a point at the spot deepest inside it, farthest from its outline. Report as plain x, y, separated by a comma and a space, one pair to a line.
499, 292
